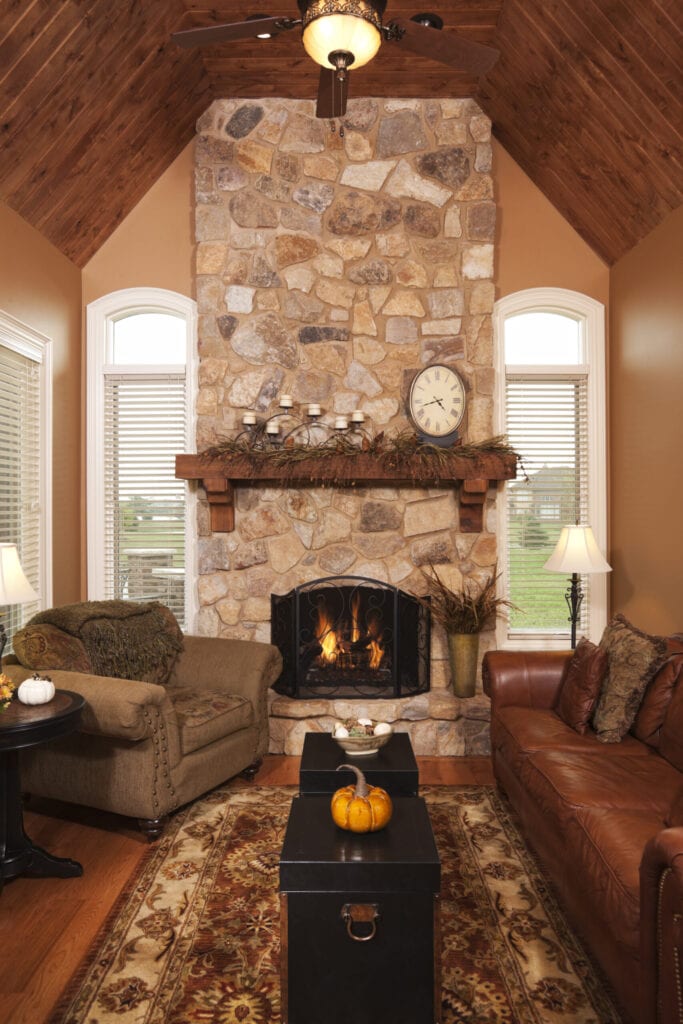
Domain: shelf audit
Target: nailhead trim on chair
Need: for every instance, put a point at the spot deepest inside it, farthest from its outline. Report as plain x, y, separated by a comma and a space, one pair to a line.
157, 728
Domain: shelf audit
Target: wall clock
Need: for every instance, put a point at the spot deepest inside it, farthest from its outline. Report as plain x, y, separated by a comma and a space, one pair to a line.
436, 404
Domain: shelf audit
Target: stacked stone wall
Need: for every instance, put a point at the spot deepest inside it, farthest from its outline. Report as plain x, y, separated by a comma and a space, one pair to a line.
332, 269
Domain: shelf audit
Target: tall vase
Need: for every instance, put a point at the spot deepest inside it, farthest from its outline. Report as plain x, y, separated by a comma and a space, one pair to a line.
463, 651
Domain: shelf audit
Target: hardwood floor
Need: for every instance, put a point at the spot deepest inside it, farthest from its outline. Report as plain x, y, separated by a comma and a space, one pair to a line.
47, 925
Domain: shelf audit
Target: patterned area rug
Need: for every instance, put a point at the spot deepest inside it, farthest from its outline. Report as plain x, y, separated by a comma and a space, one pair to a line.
195, 939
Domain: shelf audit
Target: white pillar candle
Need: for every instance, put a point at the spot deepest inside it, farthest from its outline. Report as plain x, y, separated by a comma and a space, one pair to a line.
357, 416
249, 419
341, 423
286, 402
314, 409
272, 428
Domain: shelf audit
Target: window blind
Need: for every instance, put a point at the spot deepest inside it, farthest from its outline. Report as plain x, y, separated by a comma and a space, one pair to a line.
547, 423
20, 462
144, 427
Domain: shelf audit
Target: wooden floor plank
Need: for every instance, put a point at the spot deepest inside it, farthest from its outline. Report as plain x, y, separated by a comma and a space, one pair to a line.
54, 921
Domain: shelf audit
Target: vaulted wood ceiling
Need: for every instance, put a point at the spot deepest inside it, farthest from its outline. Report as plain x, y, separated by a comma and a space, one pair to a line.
95, 102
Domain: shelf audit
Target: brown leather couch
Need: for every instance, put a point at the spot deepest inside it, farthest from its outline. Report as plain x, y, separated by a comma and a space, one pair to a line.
596, 815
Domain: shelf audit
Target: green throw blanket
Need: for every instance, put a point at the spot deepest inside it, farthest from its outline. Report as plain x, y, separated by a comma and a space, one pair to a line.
120, 638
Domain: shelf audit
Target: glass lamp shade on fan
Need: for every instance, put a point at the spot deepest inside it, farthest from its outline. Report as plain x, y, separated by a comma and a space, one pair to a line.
341, 26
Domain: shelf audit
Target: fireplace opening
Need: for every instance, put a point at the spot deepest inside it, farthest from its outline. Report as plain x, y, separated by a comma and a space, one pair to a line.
350, 636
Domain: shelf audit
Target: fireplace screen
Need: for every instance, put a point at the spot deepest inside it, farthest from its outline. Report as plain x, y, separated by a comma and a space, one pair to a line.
348, 636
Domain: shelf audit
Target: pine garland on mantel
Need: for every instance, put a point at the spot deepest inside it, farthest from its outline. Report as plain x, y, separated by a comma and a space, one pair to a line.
394, 451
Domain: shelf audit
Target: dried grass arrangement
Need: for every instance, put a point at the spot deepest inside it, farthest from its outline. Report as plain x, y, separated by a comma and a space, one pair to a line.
392, 449
470, 610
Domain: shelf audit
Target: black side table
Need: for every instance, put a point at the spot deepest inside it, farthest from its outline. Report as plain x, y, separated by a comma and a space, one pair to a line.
24, 725
394, 767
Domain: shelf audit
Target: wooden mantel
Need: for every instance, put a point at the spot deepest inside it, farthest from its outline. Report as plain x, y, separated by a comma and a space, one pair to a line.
220, 475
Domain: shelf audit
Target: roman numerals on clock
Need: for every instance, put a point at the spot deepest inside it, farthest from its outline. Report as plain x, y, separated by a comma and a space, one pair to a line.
437, 403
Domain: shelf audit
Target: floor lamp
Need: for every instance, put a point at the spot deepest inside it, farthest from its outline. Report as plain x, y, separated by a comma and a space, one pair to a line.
576, 552
14, 587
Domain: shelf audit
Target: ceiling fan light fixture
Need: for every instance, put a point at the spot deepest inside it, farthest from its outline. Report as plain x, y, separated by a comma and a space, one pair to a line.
353, 27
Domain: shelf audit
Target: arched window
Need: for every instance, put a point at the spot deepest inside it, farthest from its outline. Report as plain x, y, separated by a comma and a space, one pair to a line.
141, 373
550, 357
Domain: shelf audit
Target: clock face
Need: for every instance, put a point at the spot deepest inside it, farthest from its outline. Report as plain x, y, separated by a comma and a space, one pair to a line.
437, 401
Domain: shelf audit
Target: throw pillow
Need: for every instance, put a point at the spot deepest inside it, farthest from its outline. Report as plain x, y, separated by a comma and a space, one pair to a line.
656, 701
582, 683
634, 657
41, 646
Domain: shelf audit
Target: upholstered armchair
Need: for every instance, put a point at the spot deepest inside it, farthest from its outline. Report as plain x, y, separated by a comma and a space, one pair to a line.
145, 748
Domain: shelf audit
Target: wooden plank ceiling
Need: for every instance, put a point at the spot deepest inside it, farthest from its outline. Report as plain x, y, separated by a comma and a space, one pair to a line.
95, 102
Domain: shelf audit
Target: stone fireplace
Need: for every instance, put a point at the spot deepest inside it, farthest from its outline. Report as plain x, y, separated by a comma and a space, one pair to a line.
334, 268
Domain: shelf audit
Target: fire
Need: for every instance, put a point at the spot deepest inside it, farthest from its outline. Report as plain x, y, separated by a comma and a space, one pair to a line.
337, 649
326, 636
376, 649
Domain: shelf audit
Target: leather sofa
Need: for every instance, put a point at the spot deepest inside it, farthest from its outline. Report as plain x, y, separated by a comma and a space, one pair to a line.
144, 749
596, 815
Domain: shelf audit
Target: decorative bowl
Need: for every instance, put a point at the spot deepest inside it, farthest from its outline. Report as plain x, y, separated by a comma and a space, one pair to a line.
361, 745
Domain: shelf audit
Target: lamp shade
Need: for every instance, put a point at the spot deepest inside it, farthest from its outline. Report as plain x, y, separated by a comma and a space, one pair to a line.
14, 587
351, 26
577, 551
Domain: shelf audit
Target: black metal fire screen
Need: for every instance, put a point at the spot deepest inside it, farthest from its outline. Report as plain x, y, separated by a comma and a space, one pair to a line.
350, 636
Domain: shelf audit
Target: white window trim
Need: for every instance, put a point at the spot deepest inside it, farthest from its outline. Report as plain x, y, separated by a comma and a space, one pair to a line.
101, 315
591, 314
26, 341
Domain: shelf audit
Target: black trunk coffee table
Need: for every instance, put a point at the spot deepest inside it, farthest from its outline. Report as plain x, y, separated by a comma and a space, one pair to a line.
394, 767
359, 918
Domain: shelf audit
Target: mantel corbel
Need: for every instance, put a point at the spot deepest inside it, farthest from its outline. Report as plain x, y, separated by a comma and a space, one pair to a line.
219, 475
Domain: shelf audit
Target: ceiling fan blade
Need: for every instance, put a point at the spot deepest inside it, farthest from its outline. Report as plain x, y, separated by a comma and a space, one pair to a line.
209, 35
445, 47
332, 94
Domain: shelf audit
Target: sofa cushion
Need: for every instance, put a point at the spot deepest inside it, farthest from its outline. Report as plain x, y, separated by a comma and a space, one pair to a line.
582, 684
561, 782
516, 732
634, 658
674, 817
652, 712
208, 715
606, 848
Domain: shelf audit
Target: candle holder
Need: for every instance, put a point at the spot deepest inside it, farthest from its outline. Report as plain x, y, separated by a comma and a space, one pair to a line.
305, 427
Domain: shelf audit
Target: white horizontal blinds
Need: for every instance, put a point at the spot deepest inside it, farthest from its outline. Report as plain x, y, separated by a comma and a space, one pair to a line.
20, 462
547, 423
144, 428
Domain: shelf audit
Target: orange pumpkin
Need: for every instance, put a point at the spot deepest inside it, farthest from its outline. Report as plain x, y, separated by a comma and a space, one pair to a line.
361, 808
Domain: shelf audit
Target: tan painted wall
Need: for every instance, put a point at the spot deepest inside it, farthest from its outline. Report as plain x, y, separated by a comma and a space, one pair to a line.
42, 288
154, 246
646, 387
536, 247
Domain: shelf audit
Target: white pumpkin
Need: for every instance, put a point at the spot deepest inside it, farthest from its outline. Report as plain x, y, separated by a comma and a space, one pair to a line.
382, 728
36, 690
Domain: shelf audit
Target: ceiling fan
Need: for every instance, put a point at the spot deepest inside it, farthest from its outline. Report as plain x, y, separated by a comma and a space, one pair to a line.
340, 34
